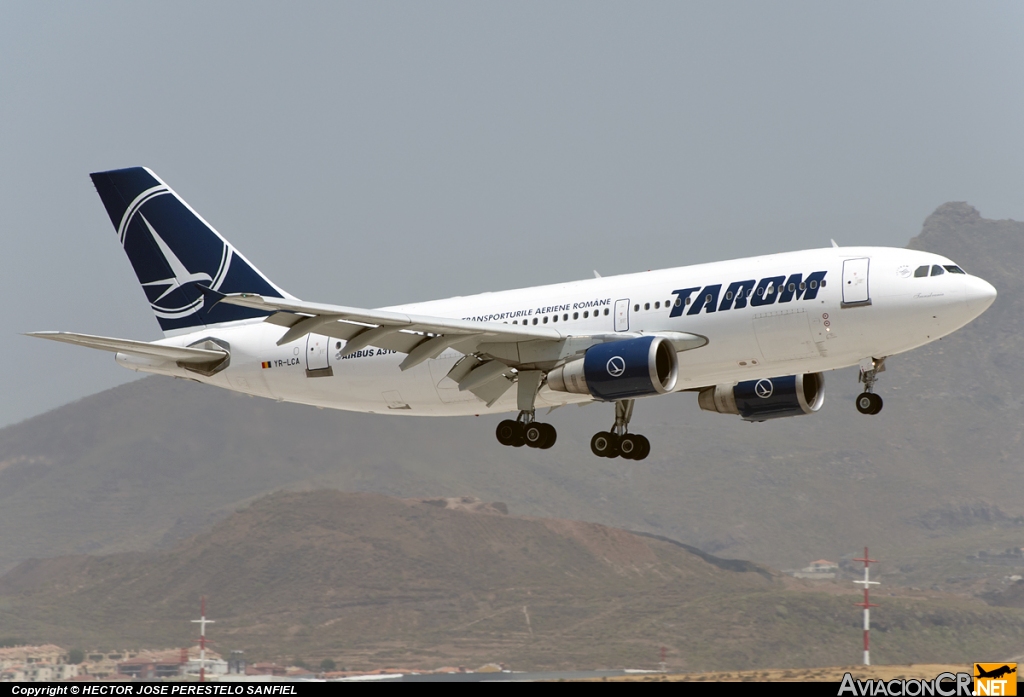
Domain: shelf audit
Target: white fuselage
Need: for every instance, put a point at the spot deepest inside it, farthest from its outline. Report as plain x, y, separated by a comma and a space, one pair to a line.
888, 310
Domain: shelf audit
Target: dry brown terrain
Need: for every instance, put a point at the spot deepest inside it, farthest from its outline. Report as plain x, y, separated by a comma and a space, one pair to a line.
373, 582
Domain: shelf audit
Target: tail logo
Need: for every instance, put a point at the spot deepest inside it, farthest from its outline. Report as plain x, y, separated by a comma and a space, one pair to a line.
169, 286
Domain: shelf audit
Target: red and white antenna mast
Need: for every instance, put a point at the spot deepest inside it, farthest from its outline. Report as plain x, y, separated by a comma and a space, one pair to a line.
867, 583
202, 621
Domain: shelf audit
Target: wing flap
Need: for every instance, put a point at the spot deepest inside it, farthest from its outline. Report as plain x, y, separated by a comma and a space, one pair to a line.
179, 354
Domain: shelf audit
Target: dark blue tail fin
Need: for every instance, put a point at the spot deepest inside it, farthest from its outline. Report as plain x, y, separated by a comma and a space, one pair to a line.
172, 249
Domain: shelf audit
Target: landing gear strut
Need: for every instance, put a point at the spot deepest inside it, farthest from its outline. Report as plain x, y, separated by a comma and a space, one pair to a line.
867, 401
619, 442
524, 430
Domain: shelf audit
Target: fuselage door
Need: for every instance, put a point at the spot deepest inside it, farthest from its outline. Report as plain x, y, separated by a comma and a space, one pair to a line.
855, 282
622, 315
317, 350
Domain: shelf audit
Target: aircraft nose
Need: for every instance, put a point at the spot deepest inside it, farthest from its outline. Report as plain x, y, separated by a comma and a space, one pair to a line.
979, 295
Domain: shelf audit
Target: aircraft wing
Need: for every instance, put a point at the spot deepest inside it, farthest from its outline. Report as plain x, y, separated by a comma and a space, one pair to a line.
423, 337
325, 314
137, 348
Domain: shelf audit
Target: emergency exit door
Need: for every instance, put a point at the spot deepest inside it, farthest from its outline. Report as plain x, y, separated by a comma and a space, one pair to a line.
317, 356
855, 282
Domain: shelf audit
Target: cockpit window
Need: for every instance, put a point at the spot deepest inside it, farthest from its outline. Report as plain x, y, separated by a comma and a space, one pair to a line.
921, 272
954, 269
937, 270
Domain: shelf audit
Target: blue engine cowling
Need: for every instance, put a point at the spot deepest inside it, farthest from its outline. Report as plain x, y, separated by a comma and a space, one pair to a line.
768, 398
620, 370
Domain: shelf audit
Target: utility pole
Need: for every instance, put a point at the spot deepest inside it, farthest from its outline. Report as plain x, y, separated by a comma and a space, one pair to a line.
867, 583
202, 621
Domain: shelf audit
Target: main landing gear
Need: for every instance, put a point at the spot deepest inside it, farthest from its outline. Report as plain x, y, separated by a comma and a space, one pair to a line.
867, 401
525, 431
619, 442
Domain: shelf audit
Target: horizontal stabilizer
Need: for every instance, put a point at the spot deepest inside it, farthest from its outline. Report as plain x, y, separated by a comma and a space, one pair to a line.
178, 354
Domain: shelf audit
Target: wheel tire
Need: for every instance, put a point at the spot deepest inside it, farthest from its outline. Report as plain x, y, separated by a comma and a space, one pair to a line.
629, 447
520, 437
613, 451
645, 448
601, 443
865, 403
534, 435
550, 436
877, 406
506, 432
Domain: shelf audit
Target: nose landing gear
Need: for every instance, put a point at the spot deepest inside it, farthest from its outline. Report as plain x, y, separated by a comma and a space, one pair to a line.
619, 442
867, 401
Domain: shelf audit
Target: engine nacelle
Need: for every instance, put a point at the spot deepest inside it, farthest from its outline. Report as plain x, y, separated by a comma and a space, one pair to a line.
620, 370
768, 398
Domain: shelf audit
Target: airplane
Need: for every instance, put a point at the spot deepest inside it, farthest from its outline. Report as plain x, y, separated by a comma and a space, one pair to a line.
751, 337
995, 673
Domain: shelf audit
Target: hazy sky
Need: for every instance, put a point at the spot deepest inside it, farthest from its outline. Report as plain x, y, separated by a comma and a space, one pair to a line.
376, 153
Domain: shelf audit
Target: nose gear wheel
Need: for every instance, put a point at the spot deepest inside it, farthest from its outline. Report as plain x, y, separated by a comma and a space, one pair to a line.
867, 401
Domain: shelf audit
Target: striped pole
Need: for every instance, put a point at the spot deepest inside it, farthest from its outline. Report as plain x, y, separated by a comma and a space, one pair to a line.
867, 583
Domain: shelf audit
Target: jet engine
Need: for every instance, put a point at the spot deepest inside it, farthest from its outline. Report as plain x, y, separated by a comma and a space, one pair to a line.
768, 398
620, 370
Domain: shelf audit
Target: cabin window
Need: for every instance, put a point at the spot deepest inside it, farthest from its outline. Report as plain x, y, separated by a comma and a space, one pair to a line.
657, 305
921, 271
565, 317
586, 313
954, 269
535, 320
575, 315
687, 301
545, 319
554, 318
937, 270
647, 306
728, 295
678, 302
515, 321
636, 308
823, 283
760, 291
606, 311
803, 286
337, 345
792, 287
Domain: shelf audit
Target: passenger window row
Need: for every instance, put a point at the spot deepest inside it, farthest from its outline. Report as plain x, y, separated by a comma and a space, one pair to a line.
657, 305
565, 317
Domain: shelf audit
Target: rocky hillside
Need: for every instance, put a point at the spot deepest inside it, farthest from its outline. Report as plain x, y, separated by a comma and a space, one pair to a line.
370, 581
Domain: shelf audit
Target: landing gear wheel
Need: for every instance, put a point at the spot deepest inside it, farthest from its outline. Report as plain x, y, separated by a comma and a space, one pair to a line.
604, 444
633, 446
506, 432
550, 436
629, 446
645, 448
878, 403
534, 435
869, 403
